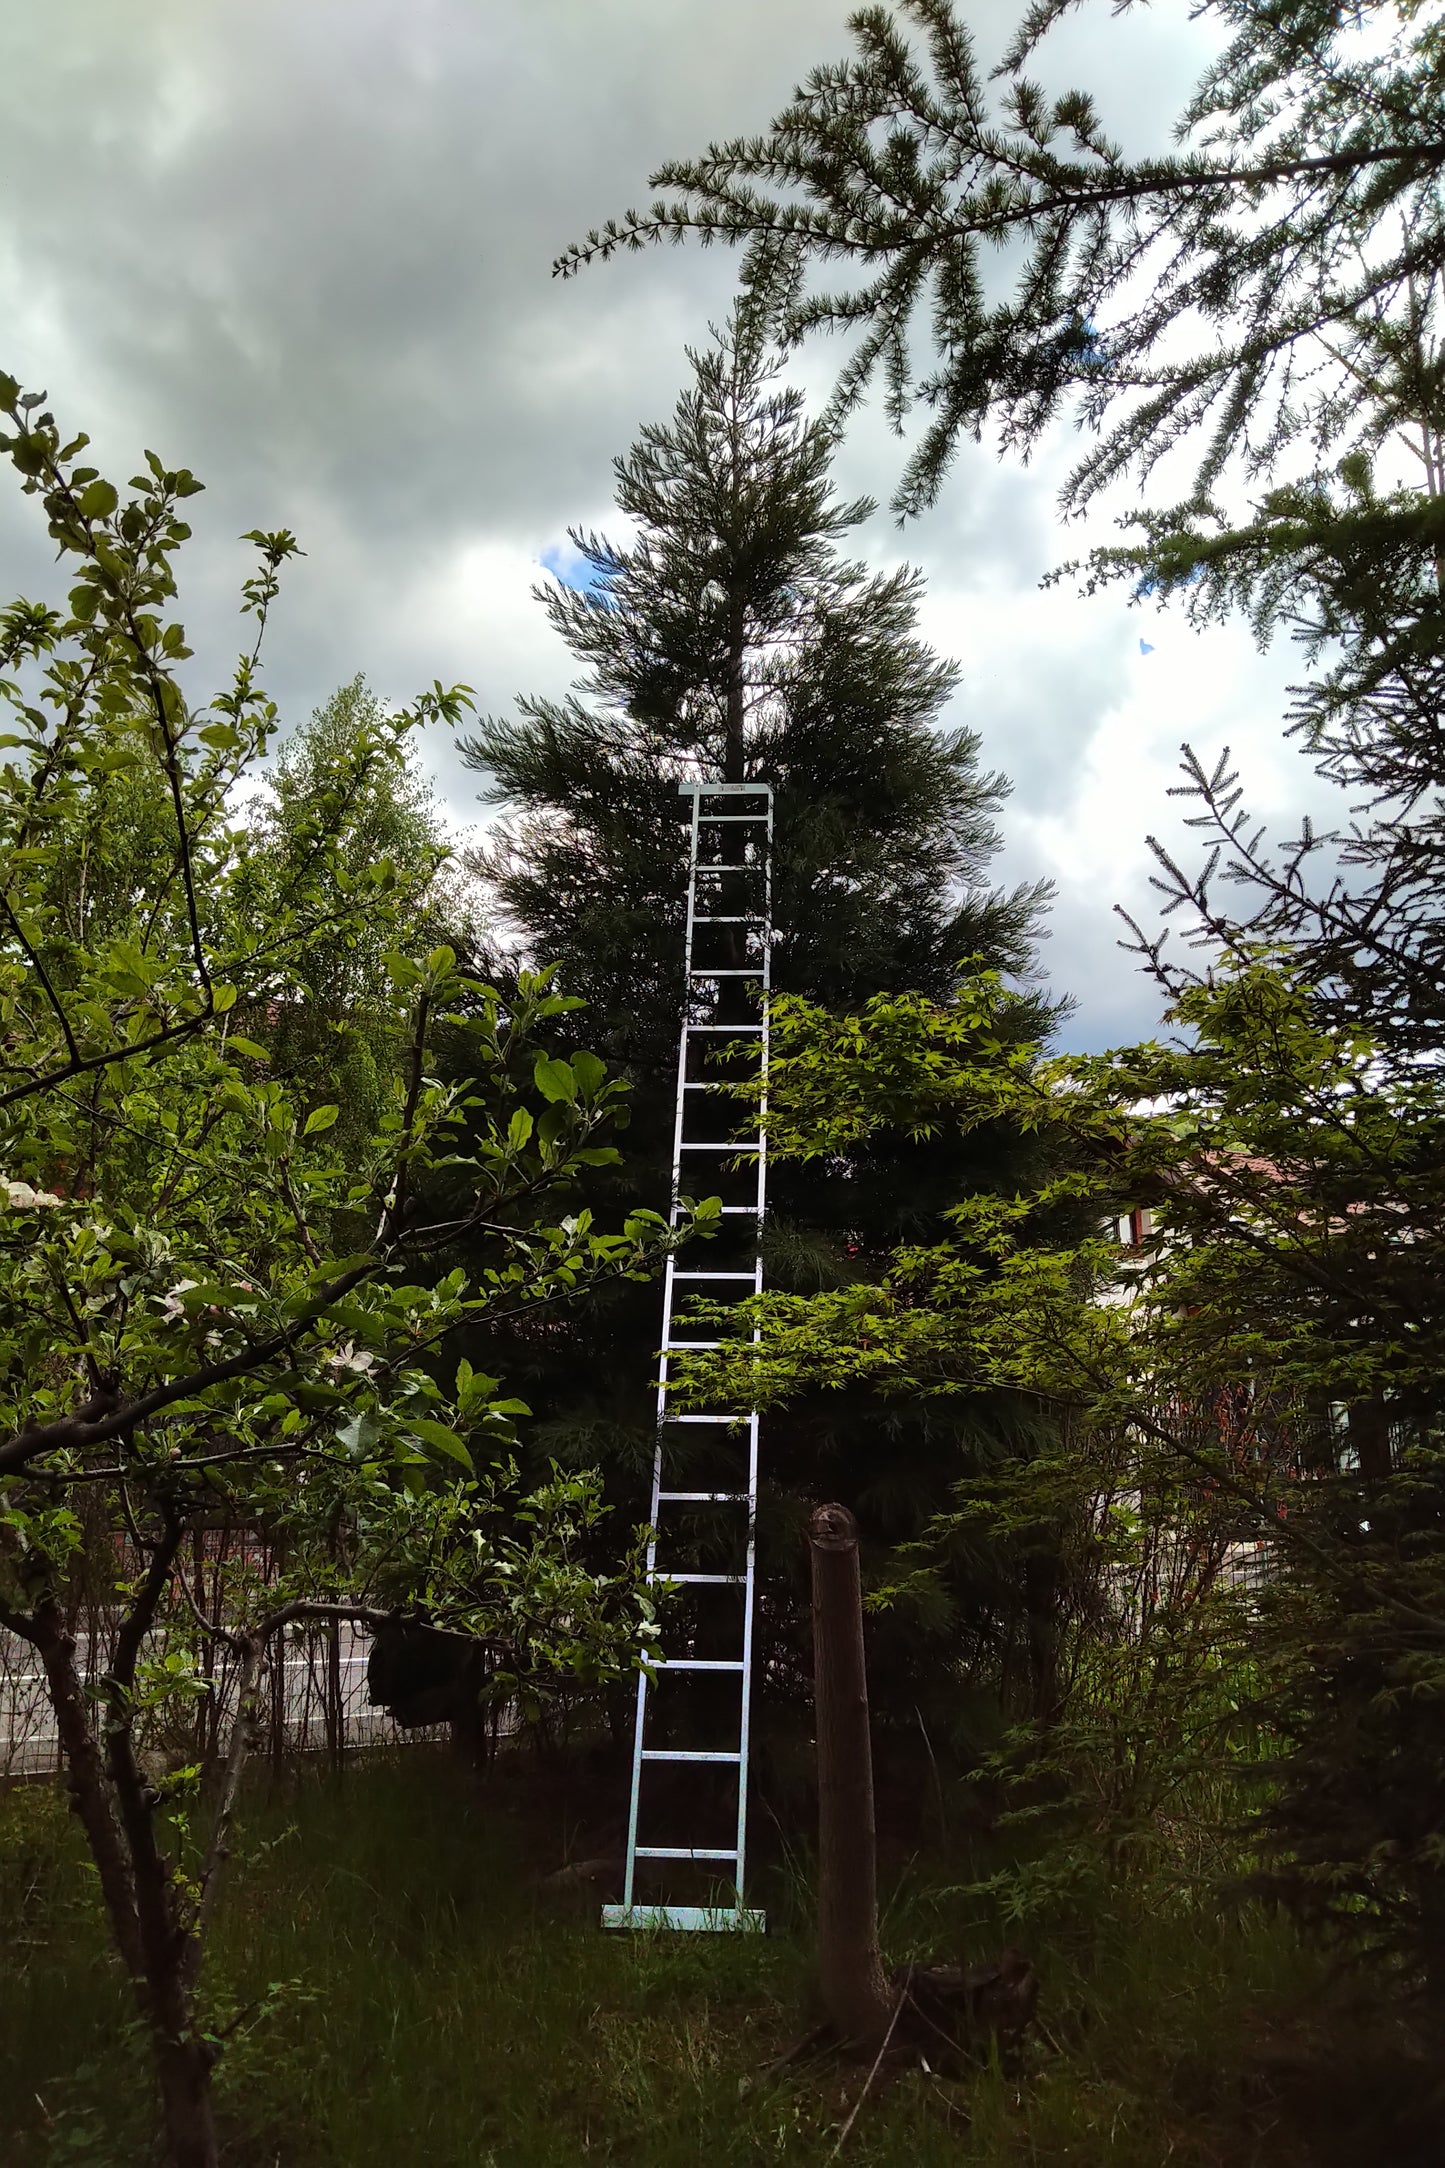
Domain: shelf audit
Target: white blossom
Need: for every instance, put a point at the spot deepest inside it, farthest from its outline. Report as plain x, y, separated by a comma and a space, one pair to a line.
172, 1307
349, 1357
22, 1198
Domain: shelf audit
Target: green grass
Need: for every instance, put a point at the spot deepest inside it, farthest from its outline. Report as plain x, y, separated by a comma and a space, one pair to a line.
427, 2008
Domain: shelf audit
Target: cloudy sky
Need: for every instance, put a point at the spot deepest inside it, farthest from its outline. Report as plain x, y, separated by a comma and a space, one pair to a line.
304, 247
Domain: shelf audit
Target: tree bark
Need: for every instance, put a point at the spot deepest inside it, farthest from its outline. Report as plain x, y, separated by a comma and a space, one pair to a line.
167, 1935
735, 719
138, 1892
1042, 1576
186, 2101
1370, 1437
251, 1649
850, 1968
85, 1781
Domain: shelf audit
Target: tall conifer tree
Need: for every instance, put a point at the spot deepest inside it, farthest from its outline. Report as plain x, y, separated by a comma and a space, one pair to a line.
733, 639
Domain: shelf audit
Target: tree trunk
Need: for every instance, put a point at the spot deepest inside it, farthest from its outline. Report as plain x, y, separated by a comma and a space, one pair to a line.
850, 1968
1370, 1437
86, 1782
184, 2066
136, 1886
335, 1705
1041, 1602
335, 1699
172, 1958
735, 720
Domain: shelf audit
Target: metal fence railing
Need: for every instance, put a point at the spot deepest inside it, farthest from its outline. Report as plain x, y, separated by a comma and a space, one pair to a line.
313, 1700
313, 1696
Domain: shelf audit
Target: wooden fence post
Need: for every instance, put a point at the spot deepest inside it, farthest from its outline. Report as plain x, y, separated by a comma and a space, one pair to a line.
854, 1988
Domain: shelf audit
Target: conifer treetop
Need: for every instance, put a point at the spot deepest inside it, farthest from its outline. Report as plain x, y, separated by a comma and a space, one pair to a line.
732, 637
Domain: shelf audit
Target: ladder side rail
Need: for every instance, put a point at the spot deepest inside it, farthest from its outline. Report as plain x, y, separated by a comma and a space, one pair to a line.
750, 1566
658, 1475
746, 1696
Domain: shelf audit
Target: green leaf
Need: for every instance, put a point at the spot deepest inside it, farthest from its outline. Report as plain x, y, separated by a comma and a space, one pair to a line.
359, 1433
589, 1071
237, 1045
222, 998
318, 1119
443, 1440
555, 1079
98, 501
519, 1129
551, 1126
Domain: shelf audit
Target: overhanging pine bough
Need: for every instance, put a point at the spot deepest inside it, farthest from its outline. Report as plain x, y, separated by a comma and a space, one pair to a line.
1307, 216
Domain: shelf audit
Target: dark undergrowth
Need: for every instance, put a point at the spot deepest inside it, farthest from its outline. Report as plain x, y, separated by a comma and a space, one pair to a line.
398, 1992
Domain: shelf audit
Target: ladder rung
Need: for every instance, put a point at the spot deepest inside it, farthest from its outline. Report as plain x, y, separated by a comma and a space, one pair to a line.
686, 1753
680, 1347
714, 1275
706, 1497
739, 971
744, 1417
700, 788
723, 1027
711, 1580
741, 1415
733, 1210
686, 1851
725, 1144
729, 918
698, 1663
706, 820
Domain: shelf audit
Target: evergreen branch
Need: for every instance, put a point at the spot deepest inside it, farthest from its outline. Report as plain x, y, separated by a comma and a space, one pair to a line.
739, 216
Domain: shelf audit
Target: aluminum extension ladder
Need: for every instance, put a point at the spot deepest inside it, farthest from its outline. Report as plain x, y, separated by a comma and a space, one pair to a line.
727, 979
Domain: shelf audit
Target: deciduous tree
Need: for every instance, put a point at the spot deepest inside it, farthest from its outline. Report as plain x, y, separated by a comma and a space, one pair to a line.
209, 1309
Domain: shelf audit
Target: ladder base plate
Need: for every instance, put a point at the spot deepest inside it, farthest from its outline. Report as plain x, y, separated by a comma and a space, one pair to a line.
690, 1919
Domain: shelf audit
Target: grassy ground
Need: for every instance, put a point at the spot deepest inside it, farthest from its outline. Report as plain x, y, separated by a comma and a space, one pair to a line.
422, 2005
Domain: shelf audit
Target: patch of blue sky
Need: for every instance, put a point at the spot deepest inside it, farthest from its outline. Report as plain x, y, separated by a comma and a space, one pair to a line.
571, 569
1149, 585
1092, 352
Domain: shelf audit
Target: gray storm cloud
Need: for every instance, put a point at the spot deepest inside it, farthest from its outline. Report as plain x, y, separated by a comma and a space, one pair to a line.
306, 251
